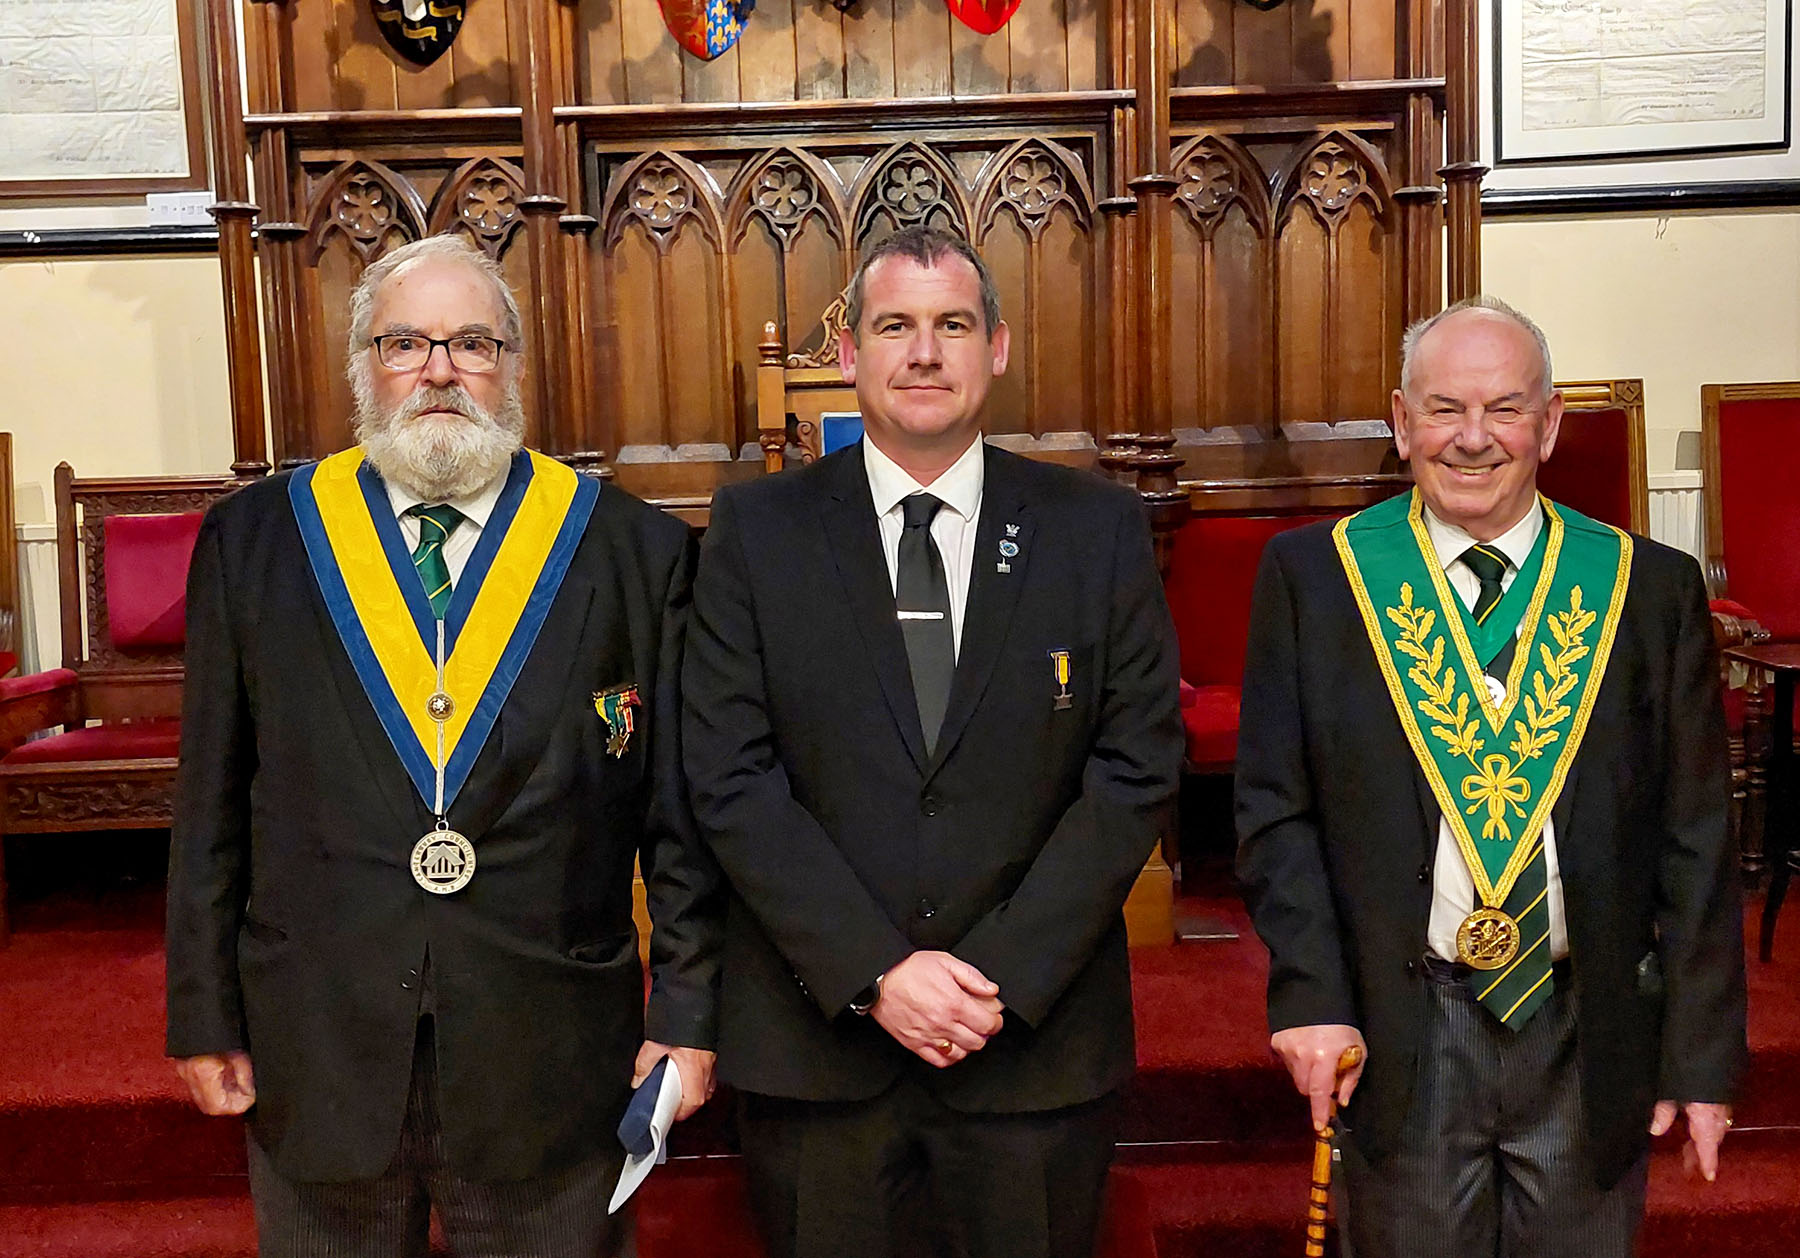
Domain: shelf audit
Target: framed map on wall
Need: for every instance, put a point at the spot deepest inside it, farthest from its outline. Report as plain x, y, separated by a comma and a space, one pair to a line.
1576, 80
99, 98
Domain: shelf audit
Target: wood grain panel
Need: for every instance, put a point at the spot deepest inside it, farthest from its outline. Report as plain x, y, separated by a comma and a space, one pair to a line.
427, 87
699, 404
1203, 42
632, 284
815, 273
756, 268
1240, 384
600, 60
652, 57
1367, 320
818, 51
1037, 48
869, 50
1087, 70
482, 57
363, 68
1262, 46
1320, 38
1007, 251
766, 60
314, 53
922, 48
979, 64
1303, 274
1066, 397
1372, 47
714, 80
1188, 326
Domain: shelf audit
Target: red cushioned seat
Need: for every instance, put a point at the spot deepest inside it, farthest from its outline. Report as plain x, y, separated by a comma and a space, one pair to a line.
139, 740
36, 684
1211, 722
1212, 573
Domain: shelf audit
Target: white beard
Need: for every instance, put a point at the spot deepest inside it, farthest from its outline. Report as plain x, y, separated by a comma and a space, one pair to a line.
442, 457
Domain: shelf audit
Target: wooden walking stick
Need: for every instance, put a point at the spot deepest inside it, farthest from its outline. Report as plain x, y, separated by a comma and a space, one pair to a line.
1318, 1203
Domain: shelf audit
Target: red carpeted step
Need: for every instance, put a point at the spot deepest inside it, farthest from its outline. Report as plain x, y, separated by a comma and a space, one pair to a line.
181, 1227
1206, 1201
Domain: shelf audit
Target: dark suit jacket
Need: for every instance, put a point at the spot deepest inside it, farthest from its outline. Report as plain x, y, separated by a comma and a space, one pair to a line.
1337, 829
296, 930
1014, 847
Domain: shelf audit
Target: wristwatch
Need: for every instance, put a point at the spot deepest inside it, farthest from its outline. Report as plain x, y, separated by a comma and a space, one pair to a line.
865, 1000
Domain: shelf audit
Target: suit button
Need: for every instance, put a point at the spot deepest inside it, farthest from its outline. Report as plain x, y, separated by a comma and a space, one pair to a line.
931, 805
927, 908
1412, 967
410, 981
1424, 873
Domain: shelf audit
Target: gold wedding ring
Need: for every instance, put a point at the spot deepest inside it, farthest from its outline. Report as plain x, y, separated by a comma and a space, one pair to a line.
943, 1046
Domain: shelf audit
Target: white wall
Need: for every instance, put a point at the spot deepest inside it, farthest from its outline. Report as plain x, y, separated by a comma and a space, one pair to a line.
1681, 300
116, 365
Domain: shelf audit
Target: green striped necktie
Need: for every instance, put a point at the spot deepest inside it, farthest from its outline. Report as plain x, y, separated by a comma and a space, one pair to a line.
435, 526
1515, 992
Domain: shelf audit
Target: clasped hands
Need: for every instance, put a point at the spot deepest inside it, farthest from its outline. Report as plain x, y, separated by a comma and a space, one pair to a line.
938, 1007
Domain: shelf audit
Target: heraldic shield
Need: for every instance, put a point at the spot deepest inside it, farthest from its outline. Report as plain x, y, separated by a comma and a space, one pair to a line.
706, 28
419, 30
983, 16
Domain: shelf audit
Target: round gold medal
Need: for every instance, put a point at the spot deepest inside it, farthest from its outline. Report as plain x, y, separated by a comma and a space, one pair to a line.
440, 707
443, 862
1487, 939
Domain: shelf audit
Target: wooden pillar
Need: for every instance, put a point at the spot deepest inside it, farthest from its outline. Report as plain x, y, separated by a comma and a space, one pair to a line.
236, 214
587, 443
535, 78
1462, 170
279, 235
1154, 188
1117, 211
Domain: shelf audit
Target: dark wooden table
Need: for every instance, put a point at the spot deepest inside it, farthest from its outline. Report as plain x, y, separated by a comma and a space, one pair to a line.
1781, 843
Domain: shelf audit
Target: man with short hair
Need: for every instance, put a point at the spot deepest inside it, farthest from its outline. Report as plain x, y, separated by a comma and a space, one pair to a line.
932, 734
1481, 794
429, 721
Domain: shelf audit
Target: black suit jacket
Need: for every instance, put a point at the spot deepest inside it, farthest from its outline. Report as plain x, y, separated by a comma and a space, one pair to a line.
847, 849
1337, 830
295, 928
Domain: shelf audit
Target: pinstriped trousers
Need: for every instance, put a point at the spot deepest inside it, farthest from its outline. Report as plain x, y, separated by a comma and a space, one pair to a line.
1490, 1164
558, 1216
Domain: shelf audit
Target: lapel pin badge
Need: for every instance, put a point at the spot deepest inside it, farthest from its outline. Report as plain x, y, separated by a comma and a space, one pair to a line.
617, 707
1012, 530
1009, 549
1062, 699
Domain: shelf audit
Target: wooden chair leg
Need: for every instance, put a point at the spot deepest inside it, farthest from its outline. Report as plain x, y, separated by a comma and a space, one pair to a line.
1757, 749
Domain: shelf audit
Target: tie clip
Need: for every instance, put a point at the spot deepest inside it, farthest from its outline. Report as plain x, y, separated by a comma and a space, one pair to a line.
920, 615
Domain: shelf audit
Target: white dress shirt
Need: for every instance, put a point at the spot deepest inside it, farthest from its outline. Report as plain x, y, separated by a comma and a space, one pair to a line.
952, 528
1453, 888
461, 543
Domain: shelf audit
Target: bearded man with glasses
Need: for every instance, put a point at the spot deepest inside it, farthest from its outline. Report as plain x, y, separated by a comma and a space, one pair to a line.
430, 720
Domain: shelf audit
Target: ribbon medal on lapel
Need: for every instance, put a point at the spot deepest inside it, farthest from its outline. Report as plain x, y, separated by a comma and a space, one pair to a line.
438, 686
706, 28
419, 30
617, 707
1059, 667
1495, 766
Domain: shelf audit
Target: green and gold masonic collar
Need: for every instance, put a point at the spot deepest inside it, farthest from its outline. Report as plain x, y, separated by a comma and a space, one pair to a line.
1501, 766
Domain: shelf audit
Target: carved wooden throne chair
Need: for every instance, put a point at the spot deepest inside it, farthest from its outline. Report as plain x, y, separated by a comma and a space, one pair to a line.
794, 392
123, 547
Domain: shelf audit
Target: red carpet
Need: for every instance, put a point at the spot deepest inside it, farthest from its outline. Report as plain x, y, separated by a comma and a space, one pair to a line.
102, 1157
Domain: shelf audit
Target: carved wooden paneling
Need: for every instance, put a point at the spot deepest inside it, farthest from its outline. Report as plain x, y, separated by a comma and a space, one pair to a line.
813, 50
1338, 279
480, 203
341, 62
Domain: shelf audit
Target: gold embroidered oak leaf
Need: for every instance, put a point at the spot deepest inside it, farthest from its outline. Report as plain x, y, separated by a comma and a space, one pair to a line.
1496, 787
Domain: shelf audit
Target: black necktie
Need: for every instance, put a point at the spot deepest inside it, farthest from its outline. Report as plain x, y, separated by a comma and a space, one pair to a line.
1489, 565
922, 598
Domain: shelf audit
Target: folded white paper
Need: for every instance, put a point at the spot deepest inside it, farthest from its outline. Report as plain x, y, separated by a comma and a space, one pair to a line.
637, 1169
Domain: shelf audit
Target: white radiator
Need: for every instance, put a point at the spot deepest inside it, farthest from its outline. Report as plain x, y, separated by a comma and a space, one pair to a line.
1678, 512
40, 621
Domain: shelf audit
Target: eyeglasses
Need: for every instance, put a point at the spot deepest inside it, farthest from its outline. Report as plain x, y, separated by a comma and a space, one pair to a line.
407, 351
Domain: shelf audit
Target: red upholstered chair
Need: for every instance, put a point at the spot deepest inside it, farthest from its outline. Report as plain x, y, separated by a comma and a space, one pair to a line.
1598, 467
1212, 571
123, 548
1747, 436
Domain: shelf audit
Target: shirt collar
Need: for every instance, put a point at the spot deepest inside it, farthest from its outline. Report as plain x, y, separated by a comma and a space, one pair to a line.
959, 488
1451, 540
478, 506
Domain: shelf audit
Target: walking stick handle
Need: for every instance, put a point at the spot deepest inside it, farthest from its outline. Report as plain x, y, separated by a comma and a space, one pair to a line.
1318, 1201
